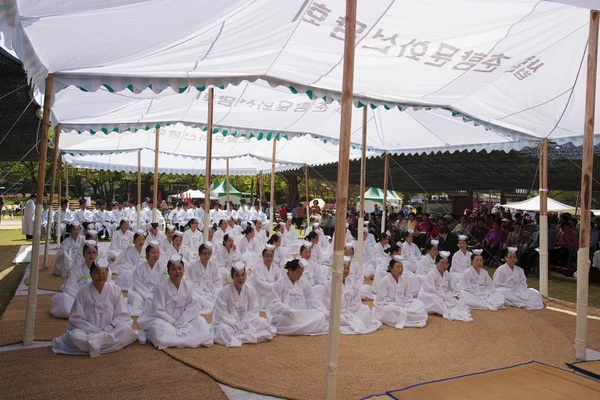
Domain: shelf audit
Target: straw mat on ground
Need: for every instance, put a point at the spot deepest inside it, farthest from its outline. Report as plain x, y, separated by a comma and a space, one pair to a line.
567, 323
386, 359
530, 381
47, 280
137, 372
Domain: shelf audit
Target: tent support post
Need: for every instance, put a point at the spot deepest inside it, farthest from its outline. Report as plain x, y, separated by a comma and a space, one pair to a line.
209, 133
306, 193
361, 209
51, 199
272, 205
155, 191
58, 167
227, 187
66, 180
35, 252
583, 258
139, 190
544, 218
341, 201
260, 190
386, 167
577, 203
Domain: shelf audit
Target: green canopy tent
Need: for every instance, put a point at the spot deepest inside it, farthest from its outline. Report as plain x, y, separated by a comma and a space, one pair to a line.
375, 196
220, 191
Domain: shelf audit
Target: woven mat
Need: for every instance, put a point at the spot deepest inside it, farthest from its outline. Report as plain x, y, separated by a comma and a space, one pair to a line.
566, 322
386, 359
137, 372
47, 280
12, 324
529, 381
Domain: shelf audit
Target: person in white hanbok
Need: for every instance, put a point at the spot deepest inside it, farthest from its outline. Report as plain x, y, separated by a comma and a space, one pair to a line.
173, 319
220, 232
290, 237
192, 238
461, 260
477, 288
28, 217
155, 234
236, 318
260, 235
233, 229
128, 260
61, 302
176, 247
146, 277
414, 283
98, 321
511, 282
314, 273
167, 242
356, 275
264, 276
248, 247
282, 255
355, 317
379, 253
293, 308
394, 303
205, 277
368, 268
411, 253
121, 239
427, 262
441, 295
70, 251
227, 255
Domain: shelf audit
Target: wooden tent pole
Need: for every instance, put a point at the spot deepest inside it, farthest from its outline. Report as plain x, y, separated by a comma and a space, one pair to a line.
155, 191
209, 133
363, 169
577, 199
386, 167
139, 190
306, 191
35, 252
58, 216
583, 255
227, 187
272, 205
341, 201
544, 218
260, 190
51, 199
66, 180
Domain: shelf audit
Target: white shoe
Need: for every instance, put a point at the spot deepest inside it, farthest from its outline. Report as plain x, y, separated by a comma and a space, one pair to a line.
142, 337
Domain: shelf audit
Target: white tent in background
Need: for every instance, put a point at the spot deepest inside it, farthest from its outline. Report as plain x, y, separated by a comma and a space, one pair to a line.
190, 193
533, 204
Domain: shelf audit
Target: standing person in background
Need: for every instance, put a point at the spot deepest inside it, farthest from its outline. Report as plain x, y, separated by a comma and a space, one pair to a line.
1, 207
28, 214
315, 209
300, 210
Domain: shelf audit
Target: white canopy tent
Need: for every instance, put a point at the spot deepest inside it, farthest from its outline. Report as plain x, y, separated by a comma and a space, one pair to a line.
533, 204
191, 193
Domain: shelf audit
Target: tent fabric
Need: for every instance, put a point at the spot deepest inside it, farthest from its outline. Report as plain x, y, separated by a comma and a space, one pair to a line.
256, 110
494, 62
221, 189
533, 204
194, 194
170, 164
377, 194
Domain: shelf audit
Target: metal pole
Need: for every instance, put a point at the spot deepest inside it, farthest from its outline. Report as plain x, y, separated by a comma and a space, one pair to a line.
155, 191
341, 201
363, 169
51, 199
209, 133
544, 218
583, 255
35, 252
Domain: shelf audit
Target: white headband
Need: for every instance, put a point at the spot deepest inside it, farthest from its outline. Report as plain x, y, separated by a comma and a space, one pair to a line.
435, 242
347, 259
349, 244
208, 244
303, 263
178, 233
75, 224
477, 252
512, 249
269, 247
170, 227
411, 231
444, 254
398, 258
154, 243
102, 263
239, 266
279, 234
140, 231
91, 243
307, 244
176, 258
316, 224
462, 237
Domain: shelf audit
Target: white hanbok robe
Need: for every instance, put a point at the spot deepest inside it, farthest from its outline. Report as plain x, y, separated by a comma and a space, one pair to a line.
192, 240
218, 237
225, 259
438, 294
512, 283
262, 281
290, 237
145, 280
460, 263
414, 283
411, 255
250, 251
89, 330
28, 216
120, 241
61, 302
126, 262
103, 218
69, 254
478, 290
170, 250
65, 216
355, 317
295, 310
282, 256
316, 275
174, 320
82, 216
261, 238
426, 265
395, 305
236, 318
206, 282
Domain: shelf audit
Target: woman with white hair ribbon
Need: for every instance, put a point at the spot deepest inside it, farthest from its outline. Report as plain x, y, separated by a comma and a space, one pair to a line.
121, 239
146, 278
265, 274
248, 247
290, 236
61, 302
356, 275
282, 254
440, 293
314, 273
461, 260
167, 241
236, 318
477, 288
411, 253
427, 262
294, 309
260, 235
173, 319
394, 303
368, 269
129, 259
226, 255
176, 247
192, 238
205, 277
510, 280
98, 321
355, 318
69, 252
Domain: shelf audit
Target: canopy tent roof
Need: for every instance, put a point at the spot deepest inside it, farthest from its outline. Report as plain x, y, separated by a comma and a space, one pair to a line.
533, 204
499, 71
194, 194
190, 142
258, 110
221, 189
377, 194
170, 164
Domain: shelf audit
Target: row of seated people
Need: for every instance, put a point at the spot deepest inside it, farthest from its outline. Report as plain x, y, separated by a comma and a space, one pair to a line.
171, 296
